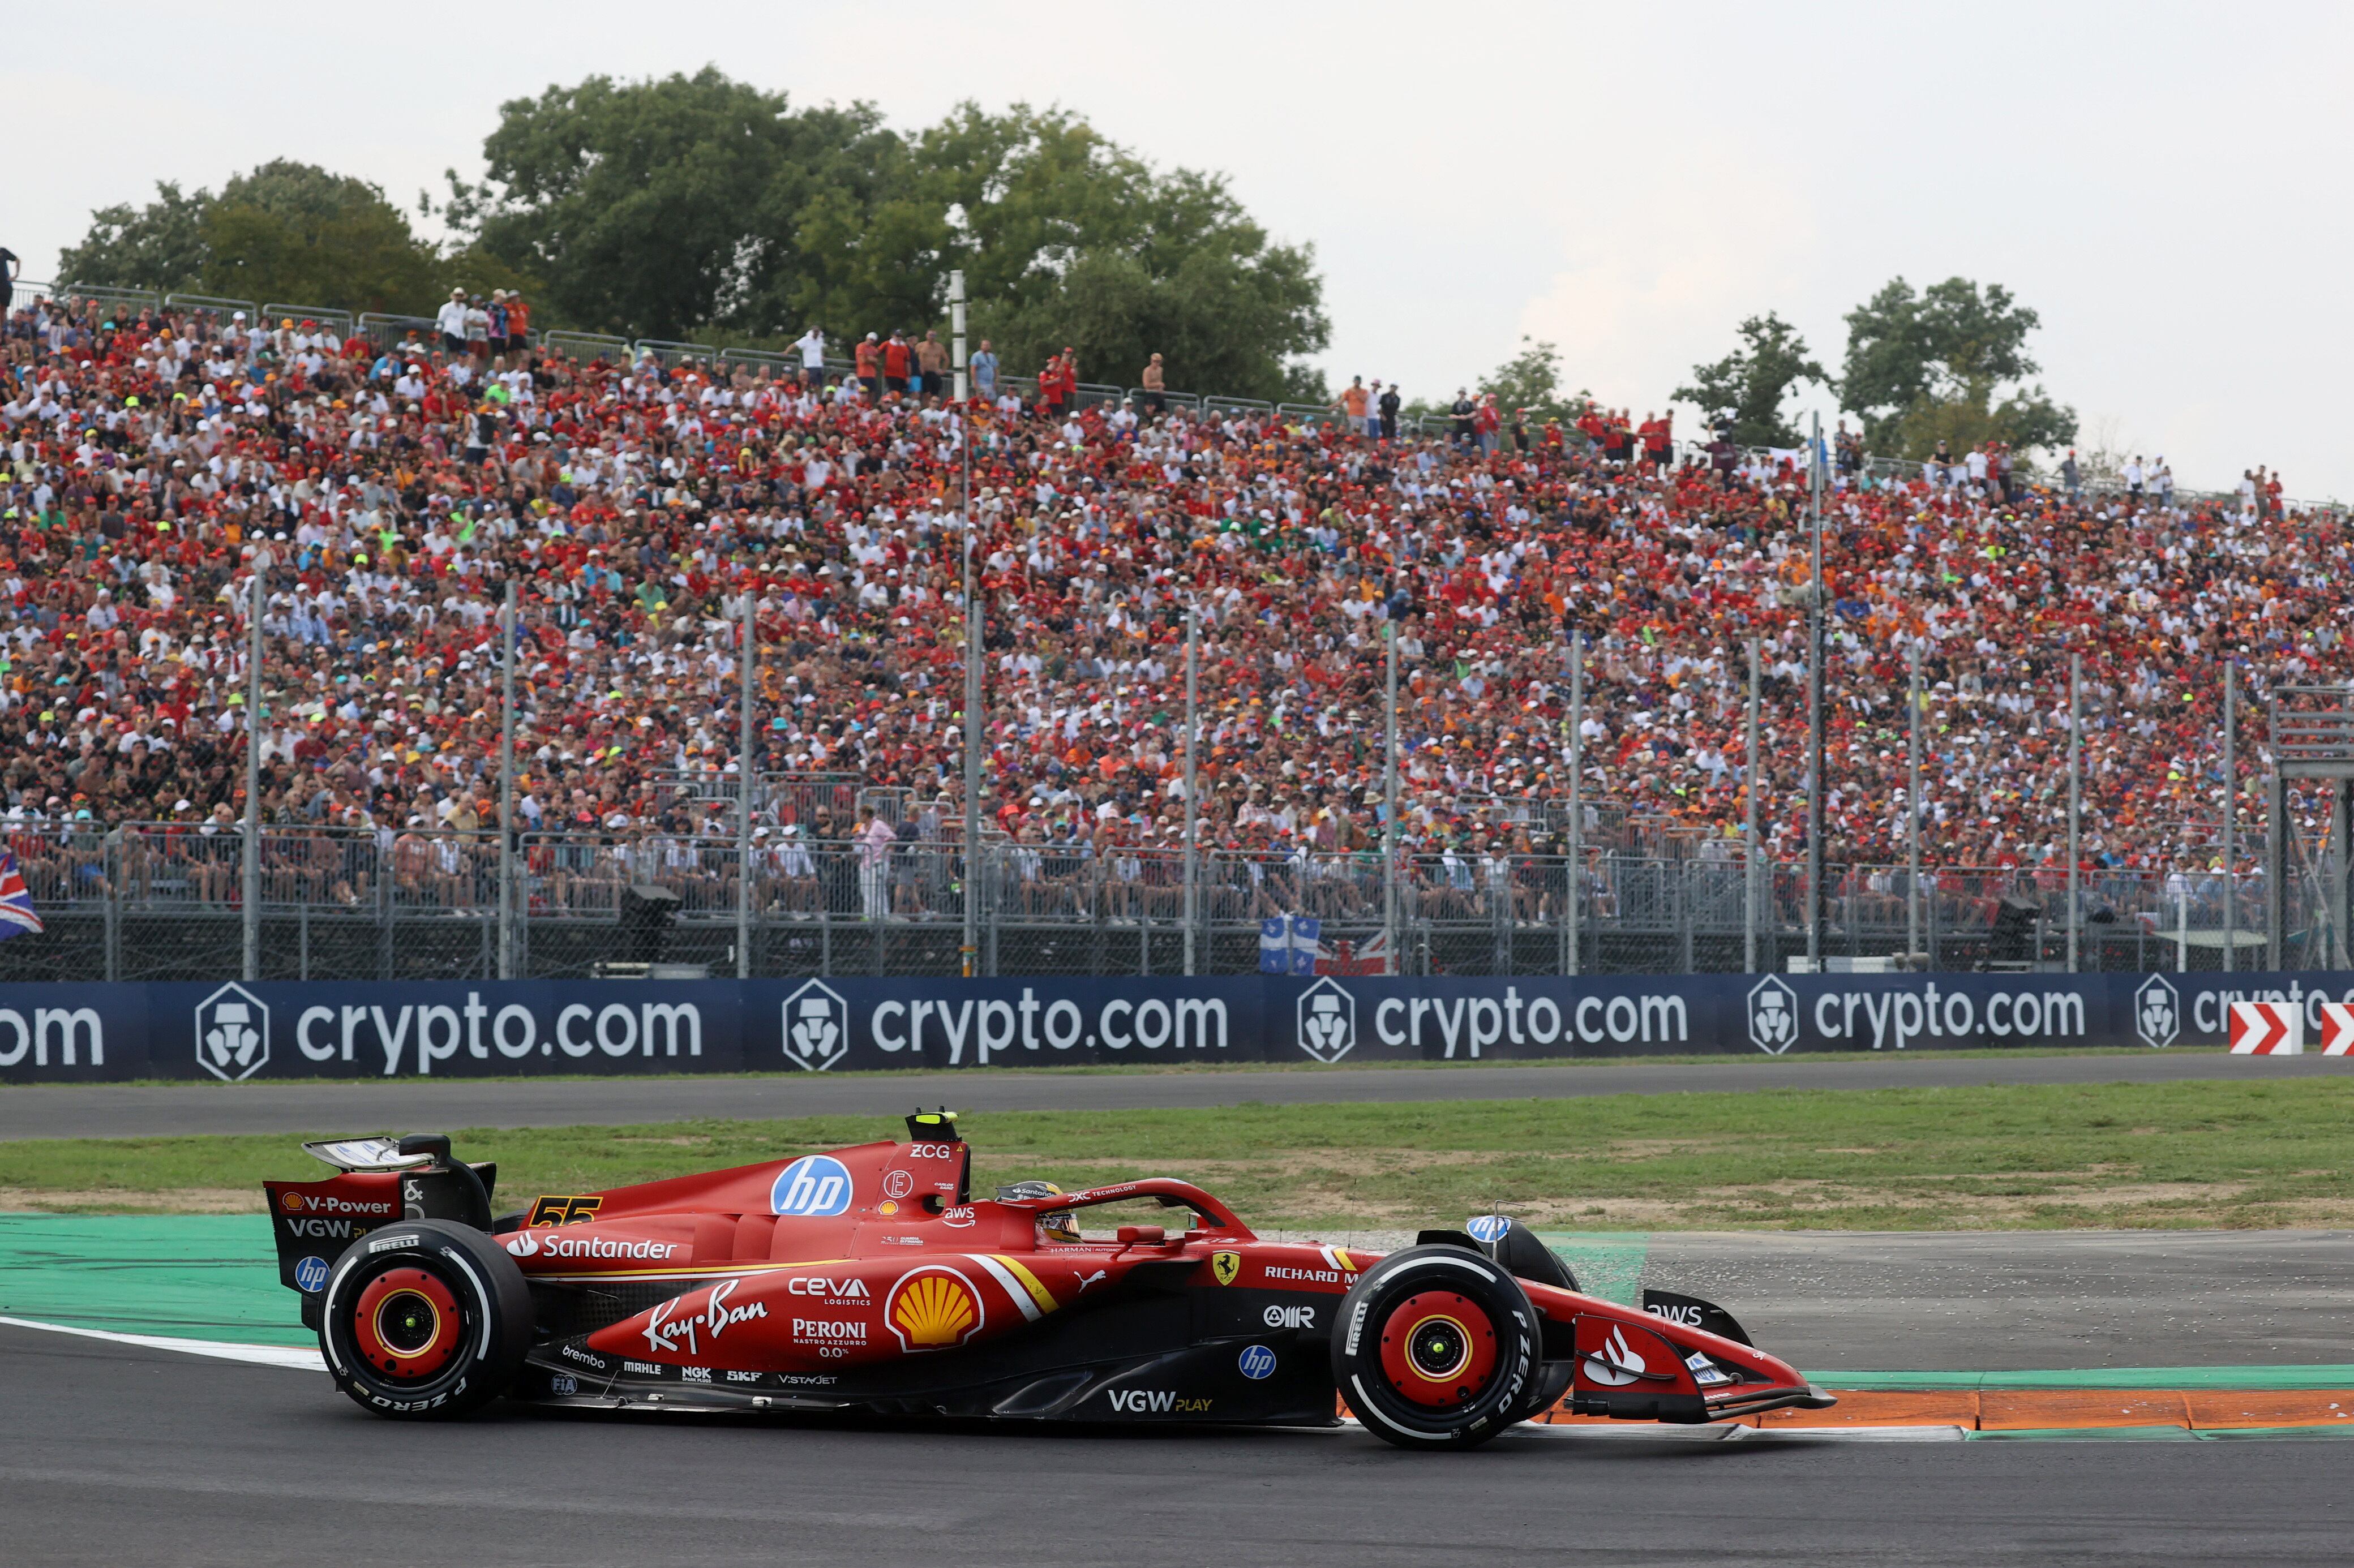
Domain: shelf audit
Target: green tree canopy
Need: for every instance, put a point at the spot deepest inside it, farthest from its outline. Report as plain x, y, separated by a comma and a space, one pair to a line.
284, 231
1530, 380
691, 207
1750, 383
1948, 363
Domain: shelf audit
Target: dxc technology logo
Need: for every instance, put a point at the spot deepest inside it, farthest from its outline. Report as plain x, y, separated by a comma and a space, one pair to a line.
1328, 1022
2157, 1013
1773, 1016
233, 1033
817, 1027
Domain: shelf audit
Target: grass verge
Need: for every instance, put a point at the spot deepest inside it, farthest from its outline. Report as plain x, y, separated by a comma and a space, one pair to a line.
2203, 1154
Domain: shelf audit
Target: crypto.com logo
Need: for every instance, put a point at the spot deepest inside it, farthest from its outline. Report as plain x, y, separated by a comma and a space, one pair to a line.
2157, 1013
1328, 1022
817, 1027
233, 1033
1773, 1016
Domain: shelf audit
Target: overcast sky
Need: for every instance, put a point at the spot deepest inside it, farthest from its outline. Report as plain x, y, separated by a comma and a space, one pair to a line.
2167, 184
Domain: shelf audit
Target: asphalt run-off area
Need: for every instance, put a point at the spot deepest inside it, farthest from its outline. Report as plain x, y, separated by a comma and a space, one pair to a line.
125, 1110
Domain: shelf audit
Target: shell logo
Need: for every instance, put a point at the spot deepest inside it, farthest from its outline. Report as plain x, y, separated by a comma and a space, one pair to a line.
933, 1309
292, 1200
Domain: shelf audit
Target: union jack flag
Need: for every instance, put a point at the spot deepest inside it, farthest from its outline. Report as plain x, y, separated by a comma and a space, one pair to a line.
18, 917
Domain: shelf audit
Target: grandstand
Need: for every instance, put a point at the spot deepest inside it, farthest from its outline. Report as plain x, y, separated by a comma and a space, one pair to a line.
163, 451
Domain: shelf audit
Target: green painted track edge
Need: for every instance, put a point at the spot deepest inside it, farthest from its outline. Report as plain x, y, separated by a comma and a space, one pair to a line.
2220, 1378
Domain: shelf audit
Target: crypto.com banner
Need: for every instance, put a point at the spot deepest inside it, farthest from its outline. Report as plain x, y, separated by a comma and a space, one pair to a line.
274, 1029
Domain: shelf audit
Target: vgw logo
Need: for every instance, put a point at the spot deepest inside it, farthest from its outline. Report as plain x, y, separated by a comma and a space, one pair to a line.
2157, 1013
233, 1033
1328, 1022
811, 1187
817, 1027
1773, 1016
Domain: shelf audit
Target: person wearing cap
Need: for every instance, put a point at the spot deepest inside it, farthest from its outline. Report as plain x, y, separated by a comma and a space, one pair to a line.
867, 360
450, 320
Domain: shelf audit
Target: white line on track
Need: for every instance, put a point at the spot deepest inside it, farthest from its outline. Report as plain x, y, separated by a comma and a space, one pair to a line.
292, 1357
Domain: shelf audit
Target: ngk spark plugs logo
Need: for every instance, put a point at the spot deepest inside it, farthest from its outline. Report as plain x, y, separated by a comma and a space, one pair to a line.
1328, 1022
233, 1033
817, 1027
2157, 1013
1773, 1016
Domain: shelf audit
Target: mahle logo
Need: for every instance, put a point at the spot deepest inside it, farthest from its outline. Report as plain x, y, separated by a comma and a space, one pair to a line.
2157, 1013
817, 1027
1328, 1022
1773, 1016
233, 1033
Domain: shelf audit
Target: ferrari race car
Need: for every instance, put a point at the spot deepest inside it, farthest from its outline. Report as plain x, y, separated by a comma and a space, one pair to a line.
867, 1279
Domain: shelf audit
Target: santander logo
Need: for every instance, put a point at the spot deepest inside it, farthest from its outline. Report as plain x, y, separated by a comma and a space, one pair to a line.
1617, 1364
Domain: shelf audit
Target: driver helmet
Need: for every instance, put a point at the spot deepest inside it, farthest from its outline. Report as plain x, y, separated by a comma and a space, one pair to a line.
1059, 1225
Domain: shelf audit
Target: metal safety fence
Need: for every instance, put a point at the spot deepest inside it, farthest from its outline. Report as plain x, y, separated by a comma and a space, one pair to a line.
147, 902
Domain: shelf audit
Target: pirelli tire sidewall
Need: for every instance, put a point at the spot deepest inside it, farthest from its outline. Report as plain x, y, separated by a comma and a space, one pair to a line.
493, 1305
1356, 1350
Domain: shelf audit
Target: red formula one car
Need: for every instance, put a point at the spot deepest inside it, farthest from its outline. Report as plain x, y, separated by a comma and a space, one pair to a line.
868, 1279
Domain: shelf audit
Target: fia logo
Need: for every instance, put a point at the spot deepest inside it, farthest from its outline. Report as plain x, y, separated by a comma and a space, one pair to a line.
1328, 1022
817, 1027
1773, 1016
2157, 1013
1256, 1361
233, 1033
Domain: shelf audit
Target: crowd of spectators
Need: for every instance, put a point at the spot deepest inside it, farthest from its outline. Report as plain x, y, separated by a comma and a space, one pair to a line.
389, 495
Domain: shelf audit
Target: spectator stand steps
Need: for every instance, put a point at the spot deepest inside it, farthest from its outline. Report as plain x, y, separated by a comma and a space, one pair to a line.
588, 347
328, 316
221, 309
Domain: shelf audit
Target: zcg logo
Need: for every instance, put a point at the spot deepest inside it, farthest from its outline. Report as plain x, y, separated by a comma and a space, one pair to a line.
817, 1027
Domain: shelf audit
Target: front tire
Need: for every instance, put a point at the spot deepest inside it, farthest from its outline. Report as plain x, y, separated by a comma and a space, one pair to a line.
425, 1320
1435, 1348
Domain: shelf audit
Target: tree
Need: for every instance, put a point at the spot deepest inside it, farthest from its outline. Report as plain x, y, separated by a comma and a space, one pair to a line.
1750, 383
293, 231
697, 206
1530, 380
1948, 363
159, 246
283, 231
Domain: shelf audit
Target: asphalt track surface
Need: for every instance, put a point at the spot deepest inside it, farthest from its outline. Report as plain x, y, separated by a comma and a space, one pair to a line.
114, 1453
125, 1110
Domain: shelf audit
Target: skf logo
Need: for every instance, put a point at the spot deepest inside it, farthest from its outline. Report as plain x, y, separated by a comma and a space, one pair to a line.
233, 1033
1773, 1016
2157, 1013
1328, 1022
817, 1027
1225, 1265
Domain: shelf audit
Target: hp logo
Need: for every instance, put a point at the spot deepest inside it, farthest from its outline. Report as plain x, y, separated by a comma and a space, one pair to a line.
811, 1187
1256, 1361
311, 1275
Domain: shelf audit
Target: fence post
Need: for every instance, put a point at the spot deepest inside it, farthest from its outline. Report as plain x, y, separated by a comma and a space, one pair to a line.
1576, 778
114, 876
251, 879
2231, 811
1749, 831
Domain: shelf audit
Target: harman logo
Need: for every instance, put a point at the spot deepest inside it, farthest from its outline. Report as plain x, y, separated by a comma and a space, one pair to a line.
2157, 1013
1773, 1016
233, 1034
1328, 1021
817, 1027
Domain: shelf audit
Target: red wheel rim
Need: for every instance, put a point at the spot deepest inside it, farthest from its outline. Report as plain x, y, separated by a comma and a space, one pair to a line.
1439, 1349
407, 1325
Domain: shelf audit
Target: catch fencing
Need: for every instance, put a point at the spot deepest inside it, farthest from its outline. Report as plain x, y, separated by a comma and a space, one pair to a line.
166, 902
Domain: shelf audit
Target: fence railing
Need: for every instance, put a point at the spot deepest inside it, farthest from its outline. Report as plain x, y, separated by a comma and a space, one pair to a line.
164, 901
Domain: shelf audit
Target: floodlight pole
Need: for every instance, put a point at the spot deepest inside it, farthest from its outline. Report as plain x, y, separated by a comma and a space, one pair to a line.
506, 787
1749, 845
1192, 815
971, 954
2076, 802
1390, 805
1912, 809
251, 880
747, 774
1815, 703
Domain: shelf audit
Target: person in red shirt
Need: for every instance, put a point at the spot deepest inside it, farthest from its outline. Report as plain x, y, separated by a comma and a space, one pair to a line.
896, 359
1050, 387
867, 360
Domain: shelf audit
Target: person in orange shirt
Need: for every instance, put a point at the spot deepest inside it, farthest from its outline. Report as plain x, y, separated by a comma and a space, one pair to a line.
867, 361
1353, 404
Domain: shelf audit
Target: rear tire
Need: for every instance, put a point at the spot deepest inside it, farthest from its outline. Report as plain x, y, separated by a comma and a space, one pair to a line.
1435, 1348
425, 1320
